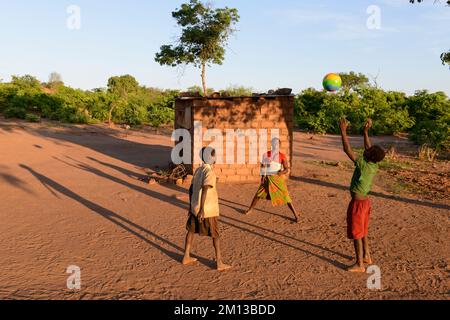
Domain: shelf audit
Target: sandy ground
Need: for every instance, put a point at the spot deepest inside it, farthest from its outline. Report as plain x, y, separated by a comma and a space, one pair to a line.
72, 196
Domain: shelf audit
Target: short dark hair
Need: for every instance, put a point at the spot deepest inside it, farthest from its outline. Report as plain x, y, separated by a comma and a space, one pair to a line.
375, 154
207, 152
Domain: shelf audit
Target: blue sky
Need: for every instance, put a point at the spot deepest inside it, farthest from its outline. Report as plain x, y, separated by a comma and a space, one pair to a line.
287, 43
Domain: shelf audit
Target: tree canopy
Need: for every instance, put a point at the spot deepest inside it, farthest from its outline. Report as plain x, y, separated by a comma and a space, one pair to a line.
353, 80
122, 85
204, 34
445, 57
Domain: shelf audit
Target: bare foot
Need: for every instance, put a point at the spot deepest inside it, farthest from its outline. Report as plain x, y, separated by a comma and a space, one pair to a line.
356, 269
295, 220
189, 261
368, 260
223, 267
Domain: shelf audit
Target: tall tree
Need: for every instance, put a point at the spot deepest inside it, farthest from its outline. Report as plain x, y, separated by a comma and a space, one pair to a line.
120, 88
204, 34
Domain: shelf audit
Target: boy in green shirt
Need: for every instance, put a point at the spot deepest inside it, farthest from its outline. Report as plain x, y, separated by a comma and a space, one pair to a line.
358, 212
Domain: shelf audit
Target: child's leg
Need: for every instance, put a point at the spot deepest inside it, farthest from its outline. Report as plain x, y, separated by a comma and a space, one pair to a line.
253, 205
187, 252
366, 257
220, 265
359, 251
291, 206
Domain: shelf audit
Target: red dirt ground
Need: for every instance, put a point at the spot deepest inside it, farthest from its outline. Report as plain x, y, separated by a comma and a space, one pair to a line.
72, 196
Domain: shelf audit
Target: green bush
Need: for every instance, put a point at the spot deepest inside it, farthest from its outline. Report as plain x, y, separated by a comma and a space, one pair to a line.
431, 112
426, 116
237, 91
132, 111
320, 111
32, 117
131, 103
387, 109
161, 107
13, 112
100, 103
433, 133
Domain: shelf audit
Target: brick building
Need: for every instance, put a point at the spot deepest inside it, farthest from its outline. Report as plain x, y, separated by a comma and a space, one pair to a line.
271, 113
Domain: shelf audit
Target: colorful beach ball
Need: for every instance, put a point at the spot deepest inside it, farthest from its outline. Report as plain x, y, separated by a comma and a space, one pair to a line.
332, 82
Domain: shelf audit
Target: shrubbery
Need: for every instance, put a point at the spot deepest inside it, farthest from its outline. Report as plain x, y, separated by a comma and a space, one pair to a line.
24, 98
426, 116
32, 117
320, 111
126, 101
431, 112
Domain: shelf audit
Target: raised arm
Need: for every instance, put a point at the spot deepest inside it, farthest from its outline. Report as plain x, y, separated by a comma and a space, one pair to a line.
345, 142
367, 126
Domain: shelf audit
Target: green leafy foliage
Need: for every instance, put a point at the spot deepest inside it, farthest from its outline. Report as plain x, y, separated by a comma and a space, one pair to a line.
204, 35
24, 98
123, 85
205, 32
353, 80
426, 116
431, 112
199, 90
32, 117
445, 57
237, 91
161, 106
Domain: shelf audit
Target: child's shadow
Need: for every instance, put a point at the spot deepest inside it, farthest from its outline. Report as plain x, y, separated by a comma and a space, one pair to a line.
321, 248
117, 219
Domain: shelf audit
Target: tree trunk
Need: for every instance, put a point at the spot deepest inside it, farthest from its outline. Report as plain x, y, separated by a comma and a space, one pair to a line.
111, 124
205, 89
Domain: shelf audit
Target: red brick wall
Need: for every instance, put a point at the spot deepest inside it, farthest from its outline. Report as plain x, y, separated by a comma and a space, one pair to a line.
270, 112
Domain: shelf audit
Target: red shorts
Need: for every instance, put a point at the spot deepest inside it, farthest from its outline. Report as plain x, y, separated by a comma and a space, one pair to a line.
358, 214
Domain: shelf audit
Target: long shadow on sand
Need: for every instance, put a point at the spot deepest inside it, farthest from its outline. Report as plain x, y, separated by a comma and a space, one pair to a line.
107, 143
287, 236
183, 205
115, 218
307, 252
153, 194
174, 187
241, 208
15, 182
124, 171
376, 194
